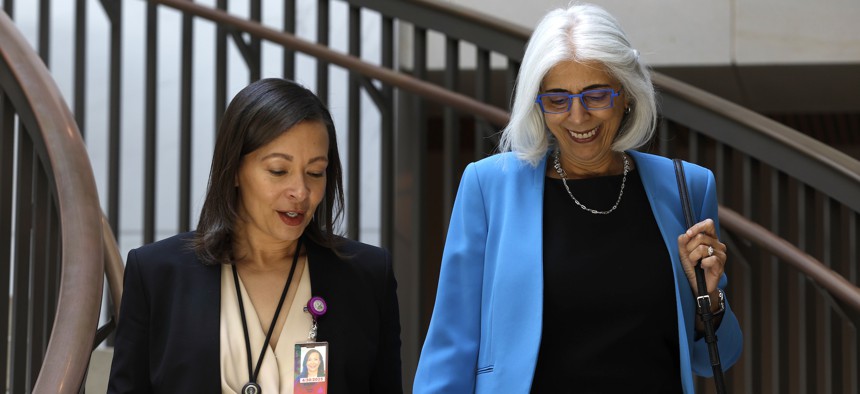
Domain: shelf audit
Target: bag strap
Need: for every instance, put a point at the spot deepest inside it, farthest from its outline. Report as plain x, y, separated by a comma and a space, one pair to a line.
682, 190
703, 301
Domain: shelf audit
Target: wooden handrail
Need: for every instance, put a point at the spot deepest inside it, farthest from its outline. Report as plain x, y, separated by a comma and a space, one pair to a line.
781, 134
801, 143
811, 161
822, 166
843, 167
831, 281
438, 94
57, 141
87, 256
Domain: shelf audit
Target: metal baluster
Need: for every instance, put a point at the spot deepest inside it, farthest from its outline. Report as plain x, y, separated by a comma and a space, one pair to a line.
186, 119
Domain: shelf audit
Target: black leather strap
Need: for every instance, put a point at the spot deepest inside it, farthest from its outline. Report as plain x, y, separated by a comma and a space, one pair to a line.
703, 301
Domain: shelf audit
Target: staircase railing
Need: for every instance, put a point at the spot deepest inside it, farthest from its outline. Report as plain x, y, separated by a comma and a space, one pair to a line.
800, 323
798, 337
50, 231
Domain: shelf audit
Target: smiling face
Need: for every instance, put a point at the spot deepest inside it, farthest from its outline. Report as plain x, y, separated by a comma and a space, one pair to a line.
584, 137
313, 362
281, 184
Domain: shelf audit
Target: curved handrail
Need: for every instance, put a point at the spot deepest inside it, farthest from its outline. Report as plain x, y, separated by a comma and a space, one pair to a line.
814, 150
820, 165
815, 163
844, 178
801, 143
56, 138
831, 281
492, 114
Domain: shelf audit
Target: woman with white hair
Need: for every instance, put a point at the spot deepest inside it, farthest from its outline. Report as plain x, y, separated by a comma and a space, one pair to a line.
568, 267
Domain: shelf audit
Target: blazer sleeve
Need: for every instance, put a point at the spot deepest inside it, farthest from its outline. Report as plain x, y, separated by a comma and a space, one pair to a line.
387, 375
730, 338
130, 367
449, 357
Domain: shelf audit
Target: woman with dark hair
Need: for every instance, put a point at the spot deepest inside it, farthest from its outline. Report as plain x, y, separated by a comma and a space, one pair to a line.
316, 368
568, 267
223, 308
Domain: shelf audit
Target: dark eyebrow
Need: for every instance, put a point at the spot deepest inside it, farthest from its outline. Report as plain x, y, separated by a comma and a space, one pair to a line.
290, 157
589, 87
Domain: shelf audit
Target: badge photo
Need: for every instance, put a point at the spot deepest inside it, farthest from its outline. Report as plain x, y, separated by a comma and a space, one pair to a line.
311, 364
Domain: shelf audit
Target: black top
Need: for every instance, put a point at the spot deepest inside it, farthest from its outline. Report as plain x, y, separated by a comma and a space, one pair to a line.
609, 319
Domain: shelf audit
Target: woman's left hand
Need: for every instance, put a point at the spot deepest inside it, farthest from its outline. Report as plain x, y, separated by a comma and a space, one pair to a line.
694, 245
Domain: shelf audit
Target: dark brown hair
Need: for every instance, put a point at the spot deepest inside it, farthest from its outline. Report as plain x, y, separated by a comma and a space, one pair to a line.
258, 114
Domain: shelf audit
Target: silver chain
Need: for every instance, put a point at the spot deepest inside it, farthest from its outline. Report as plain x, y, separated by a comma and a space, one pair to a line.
563, 176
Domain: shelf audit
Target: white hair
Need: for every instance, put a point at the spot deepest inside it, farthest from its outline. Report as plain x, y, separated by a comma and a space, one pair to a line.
583, 33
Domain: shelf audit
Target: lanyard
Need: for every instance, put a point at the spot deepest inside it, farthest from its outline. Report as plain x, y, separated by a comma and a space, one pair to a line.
252, 387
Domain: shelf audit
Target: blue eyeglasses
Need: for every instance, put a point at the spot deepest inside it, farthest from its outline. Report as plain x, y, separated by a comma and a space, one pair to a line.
559, 102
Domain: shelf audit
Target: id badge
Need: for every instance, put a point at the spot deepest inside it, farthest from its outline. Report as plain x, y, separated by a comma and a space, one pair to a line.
311, 364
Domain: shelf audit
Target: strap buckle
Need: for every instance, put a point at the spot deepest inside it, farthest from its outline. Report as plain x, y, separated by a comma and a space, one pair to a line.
704, 303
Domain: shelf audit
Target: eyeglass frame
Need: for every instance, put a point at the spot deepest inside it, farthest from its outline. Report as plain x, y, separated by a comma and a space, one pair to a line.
612, 96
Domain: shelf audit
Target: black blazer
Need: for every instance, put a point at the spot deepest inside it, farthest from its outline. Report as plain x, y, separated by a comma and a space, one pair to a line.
167, 337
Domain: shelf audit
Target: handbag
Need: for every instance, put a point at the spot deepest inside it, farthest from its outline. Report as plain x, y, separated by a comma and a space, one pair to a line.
703, 301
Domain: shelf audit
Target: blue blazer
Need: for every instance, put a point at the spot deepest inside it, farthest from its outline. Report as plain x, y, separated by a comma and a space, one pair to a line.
486, 329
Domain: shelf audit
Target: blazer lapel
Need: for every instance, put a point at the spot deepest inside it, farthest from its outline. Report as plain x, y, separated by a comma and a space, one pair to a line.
516, 316
325, 280
209, 327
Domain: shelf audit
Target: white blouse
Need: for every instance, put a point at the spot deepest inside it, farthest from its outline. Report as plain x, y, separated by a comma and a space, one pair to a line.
277, 371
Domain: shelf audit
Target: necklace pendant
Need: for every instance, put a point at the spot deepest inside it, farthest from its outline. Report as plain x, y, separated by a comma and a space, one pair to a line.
251, 388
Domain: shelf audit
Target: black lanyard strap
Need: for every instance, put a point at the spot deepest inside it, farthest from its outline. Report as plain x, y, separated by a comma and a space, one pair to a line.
252, 372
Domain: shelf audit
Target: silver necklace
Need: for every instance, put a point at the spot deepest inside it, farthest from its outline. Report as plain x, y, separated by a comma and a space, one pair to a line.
563, 176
